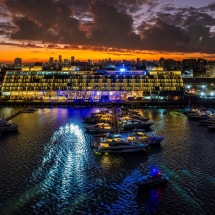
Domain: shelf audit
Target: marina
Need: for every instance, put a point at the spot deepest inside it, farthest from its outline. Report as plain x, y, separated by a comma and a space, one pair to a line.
60, 173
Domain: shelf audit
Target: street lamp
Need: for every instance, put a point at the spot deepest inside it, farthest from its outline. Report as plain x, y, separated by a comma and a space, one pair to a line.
202, 94
203, 87
188, 87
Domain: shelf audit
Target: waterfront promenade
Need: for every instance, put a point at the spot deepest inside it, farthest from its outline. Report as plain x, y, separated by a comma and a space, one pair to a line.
149, 103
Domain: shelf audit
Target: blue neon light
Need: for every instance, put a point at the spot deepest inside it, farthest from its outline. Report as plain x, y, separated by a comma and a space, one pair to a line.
154, 171
122, 69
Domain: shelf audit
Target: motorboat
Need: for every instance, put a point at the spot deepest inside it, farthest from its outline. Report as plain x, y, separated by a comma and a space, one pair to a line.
114, 143
201, 114
207, 122
100, 127
198, 116
100, 117
92, 120
7, 127
191, 111
153, 179
128, 117
138, 136
132, 124
132, 114
194, 111
128, 110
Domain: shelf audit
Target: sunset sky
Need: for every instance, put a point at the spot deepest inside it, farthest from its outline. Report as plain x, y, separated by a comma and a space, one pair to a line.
99, 29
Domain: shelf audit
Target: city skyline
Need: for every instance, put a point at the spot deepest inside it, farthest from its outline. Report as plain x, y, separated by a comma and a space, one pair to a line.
36, 30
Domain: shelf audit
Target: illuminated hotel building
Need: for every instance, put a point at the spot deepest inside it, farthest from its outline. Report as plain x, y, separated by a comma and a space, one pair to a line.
33, 83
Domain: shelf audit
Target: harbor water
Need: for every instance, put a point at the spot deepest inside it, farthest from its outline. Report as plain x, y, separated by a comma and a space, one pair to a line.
48, 167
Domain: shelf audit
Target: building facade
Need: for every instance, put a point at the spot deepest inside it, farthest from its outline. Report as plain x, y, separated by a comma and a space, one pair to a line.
91, 86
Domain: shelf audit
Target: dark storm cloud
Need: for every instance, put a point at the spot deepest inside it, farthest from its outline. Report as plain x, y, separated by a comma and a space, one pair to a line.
112, 28
42, 11
162, 36
130, 6
78, 8
199, 18
6, 28
201, 38
3, 12
25, 45
44, 20
110, 24
122, 5
175, 20
53, 46
2, 32
210, 7
30, 45
184, 17
28, 29
192, 26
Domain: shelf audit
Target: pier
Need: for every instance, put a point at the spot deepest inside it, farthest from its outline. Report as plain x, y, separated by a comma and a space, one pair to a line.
16, 114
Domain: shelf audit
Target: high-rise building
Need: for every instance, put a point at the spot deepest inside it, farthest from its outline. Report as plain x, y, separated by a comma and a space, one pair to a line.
169, 64
201, 63
161, 62
60, 59
72, 59
18, 63
90, 62
66, 62
51, 60
191, 63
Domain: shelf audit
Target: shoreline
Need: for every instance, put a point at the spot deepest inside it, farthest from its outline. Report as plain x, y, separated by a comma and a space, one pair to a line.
135, 104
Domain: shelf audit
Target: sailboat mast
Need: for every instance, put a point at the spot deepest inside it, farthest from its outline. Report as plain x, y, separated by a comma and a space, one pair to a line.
115, 121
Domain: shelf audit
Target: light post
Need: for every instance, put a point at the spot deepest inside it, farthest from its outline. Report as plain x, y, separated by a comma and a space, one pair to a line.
202, 96
204, 88
188, 88
212, 95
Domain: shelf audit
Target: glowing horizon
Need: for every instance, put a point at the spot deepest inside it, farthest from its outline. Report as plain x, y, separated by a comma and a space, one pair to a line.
30, 55
36, 30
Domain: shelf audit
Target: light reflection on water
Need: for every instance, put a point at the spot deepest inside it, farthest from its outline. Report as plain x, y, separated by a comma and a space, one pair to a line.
66, 163
59, 174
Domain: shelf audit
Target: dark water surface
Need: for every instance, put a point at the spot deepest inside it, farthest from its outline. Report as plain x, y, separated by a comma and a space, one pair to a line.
48, 167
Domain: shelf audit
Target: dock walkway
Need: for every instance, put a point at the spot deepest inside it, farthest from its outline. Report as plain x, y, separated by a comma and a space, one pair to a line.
16, 114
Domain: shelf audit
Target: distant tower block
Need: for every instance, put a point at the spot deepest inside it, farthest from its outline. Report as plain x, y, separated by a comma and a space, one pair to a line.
51, 60
60, 59
18, 63
72, 59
